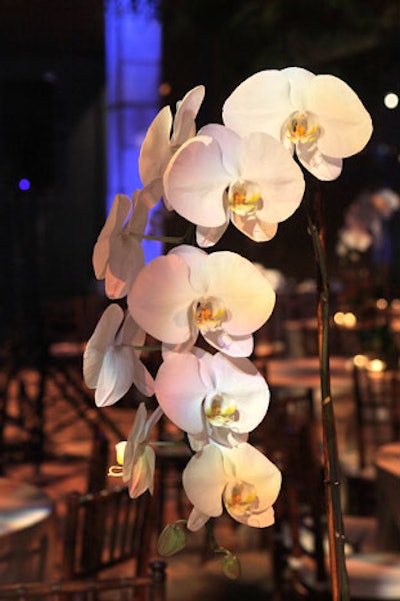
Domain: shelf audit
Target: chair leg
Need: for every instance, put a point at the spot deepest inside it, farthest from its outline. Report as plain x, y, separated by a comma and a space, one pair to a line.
158, 574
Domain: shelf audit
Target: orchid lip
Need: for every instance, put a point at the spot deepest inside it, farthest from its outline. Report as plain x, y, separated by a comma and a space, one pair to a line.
208, 314
241, 498
220, 414
302, 127
244, 197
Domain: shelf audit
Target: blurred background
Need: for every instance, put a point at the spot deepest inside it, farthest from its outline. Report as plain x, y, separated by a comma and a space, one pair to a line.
80, 82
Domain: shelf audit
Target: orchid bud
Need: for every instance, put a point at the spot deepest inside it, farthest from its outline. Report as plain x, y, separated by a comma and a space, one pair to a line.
171, 540
231, 566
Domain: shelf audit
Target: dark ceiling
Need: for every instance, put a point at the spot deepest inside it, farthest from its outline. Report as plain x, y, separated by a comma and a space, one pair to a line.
57, 27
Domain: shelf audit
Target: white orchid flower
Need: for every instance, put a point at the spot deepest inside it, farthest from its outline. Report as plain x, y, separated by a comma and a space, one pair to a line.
212, 396
135, 454
219, 176
111, 363
187, 292
118, 255
240, 478
160, 144
318, 115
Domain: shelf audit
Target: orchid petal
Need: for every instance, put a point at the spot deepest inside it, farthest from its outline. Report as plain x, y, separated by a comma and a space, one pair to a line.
92, 362
195, 180
324, 168
102, 337
131, 333
120, 210
300, 79
196, 520
142, 378
190, 254
204, 479
208, 236
240, 383
125, 262
187, 109
162, 310
154, 417
261, 519
142, 476
180, 391
194, 259
198, 441
226, 438
248, 306
118, 255
183, 347
116, 376
260, 103
345, 124
134, 468
235, 438
140, 212
267, 162
134, 437
250, 466
152, 193
139, 458
255, 228
229, 142
234, 346
155, 149
106, 328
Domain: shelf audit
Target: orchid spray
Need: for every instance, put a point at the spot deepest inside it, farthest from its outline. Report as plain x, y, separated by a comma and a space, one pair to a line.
278, 127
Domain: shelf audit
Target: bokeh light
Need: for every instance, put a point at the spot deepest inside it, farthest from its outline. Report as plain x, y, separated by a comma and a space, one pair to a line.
24, 184
391, 100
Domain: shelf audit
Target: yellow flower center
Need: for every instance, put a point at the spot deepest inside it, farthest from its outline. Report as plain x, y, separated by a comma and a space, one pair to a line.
208, 314
301, 127
219, 415
243, 197
241, 498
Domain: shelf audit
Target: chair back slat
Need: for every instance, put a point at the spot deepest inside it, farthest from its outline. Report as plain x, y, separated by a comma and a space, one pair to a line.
301, 506
153, 585
103, 529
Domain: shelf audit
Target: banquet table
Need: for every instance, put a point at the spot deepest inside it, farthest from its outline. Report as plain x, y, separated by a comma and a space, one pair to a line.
304, 372
387, 462
27, 532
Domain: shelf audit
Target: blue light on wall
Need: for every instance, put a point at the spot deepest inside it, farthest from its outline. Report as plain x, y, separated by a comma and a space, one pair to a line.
133, 66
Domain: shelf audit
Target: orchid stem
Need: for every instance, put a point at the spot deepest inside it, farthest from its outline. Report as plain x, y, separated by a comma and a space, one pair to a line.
213, 541
147, 347
166, 239
189, 237
211, 535
339, 578
165, 443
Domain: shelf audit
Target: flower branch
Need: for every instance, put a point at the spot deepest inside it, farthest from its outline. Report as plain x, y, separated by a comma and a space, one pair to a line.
340, 591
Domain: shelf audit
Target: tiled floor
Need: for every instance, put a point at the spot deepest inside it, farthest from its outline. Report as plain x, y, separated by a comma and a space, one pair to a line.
68, 440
